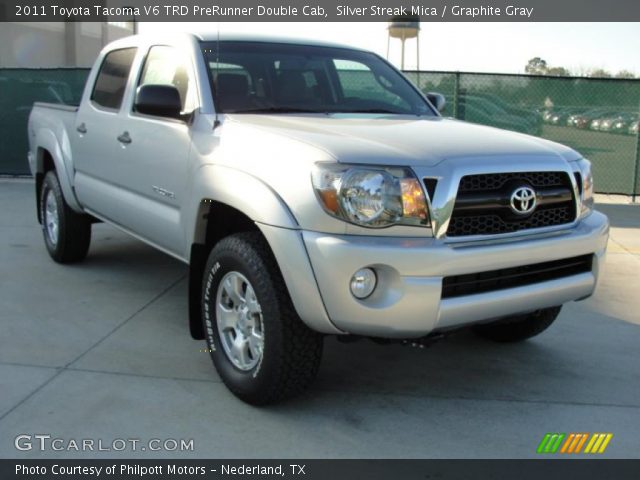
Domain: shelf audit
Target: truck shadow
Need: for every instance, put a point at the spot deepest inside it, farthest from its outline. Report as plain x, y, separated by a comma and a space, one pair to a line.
561, 365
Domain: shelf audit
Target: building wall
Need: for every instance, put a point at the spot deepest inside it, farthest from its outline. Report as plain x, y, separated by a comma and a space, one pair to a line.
56, 44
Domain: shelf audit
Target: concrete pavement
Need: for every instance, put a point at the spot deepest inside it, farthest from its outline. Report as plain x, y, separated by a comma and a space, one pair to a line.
101, 350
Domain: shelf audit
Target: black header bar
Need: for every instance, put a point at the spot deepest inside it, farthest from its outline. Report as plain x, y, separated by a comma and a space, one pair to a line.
320, 469
319, 10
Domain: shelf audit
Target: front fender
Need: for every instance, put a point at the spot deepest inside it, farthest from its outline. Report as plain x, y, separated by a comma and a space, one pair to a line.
265, 207
239, 190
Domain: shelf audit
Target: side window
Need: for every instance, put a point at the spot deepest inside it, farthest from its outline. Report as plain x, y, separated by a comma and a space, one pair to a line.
359, 82
166, 66
112, 78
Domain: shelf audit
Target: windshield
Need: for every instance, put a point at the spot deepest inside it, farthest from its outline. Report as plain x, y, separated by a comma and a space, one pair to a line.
253, 77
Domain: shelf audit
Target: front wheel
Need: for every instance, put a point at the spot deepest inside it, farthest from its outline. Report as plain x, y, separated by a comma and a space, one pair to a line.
259, 346
518, 327
67, 234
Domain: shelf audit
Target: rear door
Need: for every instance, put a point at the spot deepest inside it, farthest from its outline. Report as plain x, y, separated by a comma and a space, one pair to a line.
97, 153
155, 161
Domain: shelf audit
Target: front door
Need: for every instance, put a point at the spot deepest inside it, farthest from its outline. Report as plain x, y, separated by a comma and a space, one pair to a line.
156, 152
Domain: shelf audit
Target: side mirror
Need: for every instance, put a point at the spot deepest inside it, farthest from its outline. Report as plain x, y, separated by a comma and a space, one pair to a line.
158, 100
437, 100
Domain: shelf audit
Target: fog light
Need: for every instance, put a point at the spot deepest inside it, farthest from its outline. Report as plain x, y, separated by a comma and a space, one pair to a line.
363, 283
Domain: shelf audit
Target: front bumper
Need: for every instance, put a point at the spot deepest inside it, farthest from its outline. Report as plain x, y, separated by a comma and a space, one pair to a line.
408, 299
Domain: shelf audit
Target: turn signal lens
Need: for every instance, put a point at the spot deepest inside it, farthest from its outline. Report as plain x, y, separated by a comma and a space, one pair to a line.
586, 176
414, 204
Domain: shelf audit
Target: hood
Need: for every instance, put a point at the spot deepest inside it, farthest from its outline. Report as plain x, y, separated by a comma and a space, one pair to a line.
410, 141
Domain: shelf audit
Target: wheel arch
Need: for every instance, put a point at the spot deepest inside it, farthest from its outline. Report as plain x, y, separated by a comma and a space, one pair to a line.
231, 201
49, 156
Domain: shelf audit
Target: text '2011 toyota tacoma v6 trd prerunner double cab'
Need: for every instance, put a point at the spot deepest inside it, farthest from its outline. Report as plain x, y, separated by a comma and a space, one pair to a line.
314, 191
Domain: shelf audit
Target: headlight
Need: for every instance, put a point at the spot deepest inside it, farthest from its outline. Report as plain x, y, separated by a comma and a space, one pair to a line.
586, 189
370, 196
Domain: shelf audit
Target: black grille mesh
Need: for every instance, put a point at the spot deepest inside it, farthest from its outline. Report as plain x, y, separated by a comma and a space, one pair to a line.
498, 222
495, 181
493, 224
482, 282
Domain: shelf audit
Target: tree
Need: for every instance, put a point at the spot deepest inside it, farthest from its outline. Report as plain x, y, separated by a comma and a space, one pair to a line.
558, 72
625, 74
599, 73
536, 66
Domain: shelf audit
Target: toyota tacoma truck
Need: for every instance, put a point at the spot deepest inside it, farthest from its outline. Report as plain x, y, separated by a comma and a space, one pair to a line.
313, 190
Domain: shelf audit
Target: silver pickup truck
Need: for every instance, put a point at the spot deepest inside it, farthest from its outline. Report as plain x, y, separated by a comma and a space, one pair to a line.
313, 191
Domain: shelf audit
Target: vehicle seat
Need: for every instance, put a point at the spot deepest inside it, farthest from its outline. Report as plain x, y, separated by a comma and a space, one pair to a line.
232, 91
293, 89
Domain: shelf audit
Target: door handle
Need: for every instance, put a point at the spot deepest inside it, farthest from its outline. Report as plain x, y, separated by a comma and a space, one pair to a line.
82, 128
125, 138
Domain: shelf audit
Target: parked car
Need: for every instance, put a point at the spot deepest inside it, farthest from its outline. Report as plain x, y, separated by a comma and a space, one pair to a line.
571, 119
480, 110
307, 207
560, 116
634, 127
547, 114
586, 120
621, 123
532, 118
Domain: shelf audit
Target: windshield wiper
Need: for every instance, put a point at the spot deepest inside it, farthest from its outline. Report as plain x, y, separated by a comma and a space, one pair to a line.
276, 110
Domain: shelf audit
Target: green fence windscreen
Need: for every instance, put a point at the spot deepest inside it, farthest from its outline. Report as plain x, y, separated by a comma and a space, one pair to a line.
597, 117
19, 88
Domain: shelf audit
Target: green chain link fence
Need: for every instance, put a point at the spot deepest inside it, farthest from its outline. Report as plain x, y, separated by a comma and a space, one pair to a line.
597, 117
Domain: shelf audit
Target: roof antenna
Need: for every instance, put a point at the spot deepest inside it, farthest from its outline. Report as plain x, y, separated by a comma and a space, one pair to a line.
216, 122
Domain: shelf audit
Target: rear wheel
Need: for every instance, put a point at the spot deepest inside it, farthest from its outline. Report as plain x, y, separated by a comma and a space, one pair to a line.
518, 327
67, 234
261, 349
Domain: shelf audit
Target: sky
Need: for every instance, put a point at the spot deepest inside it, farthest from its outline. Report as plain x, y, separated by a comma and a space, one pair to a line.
478, 47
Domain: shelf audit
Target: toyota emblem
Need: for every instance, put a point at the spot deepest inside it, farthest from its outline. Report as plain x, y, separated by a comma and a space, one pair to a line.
523, 200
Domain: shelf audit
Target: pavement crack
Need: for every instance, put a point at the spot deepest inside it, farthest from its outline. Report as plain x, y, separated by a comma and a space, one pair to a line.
27, 397
143, 375
126, 320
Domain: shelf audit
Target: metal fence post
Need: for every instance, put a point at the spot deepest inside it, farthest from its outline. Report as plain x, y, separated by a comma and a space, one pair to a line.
636, 169
456, 92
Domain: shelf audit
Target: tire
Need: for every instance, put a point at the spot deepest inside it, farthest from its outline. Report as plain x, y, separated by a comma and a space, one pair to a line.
67, 234
518, 327
280, 356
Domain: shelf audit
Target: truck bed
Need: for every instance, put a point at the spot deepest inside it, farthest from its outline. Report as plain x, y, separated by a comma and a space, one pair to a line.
57, 106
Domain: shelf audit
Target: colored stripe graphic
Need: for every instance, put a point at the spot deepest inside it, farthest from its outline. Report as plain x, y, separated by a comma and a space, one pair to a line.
605, 444
557, 443
591, 442
573, 443
543, 443
570, 438
598, 443
550, 443
582, 440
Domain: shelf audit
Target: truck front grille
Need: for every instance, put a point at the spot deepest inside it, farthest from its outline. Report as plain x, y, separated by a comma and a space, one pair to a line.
483, 203
483, 282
